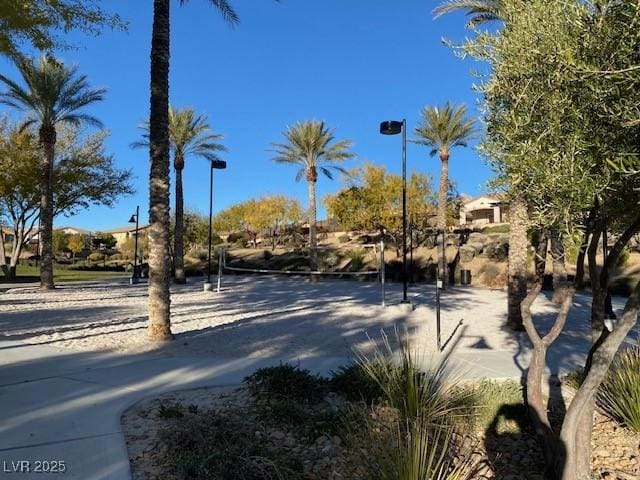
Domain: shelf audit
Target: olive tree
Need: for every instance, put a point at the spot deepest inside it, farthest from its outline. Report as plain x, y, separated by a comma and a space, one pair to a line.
560, 105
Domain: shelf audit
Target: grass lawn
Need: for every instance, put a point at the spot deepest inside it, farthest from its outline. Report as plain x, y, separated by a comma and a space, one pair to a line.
26, 273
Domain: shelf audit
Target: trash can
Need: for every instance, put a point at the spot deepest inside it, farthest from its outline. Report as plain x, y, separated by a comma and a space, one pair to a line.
465, 277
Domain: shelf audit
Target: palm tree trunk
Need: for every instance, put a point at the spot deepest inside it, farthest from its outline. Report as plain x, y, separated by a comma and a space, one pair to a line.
517, 282
442, 218
313, 240
48, 141
178, 248
159, 328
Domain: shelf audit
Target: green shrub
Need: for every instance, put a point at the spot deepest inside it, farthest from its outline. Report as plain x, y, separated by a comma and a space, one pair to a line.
619, 394
240, 243
356, 259
490, 397
623, 258
355, 384
285, 381
497, 229
267, 255
174, 410
344, 238
96, 257
328, 259
283, 411
235, 236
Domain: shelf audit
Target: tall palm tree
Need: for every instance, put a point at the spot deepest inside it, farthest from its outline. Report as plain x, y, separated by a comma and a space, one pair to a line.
54, 94
442, 129
310, 145
159, 328
189, 134
478, 11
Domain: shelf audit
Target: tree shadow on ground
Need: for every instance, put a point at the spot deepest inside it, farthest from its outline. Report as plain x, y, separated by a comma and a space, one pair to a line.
513, 449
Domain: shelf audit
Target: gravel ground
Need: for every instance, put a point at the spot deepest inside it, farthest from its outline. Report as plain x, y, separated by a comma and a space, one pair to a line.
272, 316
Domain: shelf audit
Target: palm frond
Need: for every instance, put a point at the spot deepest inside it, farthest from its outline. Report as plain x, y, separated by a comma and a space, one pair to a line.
443, 128
189, 134
226, 11
478, 11
311, 144
53, 92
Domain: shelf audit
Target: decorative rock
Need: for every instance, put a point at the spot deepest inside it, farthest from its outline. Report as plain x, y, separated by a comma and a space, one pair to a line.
467, 253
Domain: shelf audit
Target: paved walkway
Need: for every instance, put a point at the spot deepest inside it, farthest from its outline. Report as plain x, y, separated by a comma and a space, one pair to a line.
65, 405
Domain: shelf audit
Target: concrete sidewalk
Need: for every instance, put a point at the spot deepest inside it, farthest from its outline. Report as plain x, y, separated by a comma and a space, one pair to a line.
65, 406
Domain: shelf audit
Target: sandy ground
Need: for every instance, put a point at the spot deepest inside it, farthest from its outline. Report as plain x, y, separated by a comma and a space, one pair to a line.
272, 316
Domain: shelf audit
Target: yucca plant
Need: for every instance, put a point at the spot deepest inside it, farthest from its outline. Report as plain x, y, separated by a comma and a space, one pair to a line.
415, 437
412, 385
619, 394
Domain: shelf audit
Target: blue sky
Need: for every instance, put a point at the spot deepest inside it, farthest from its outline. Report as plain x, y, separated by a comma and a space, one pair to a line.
351, 63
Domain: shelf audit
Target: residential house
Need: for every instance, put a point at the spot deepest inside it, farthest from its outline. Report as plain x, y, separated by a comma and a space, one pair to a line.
485, 209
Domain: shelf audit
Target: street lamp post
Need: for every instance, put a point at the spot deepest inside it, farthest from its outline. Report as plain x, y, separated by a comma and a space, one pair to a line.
394, 127
215, 165
135, 219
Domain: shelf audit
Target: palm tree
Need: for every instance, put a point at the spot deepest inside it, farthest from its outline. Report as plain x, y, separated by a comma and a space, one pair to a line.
159, 328
483, 11
478, 11
442, 129
54, 94
310, 145
189, 134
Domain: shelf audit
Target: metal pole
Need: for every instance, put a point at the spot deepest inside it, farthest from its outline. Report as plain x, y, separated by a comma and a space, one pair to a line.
411, 253
404, 211
210, 220
220, 260
382, 273
135, 248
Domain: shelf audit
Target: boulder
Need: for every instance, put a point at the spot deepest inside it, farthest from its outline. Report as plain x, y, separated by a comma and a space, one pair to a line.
477, 246
477, 237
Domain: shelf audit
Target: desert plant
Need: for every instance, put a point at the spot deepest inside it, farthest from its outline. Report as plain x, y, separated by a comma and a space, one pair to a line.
328, 259
285, 381
416, 388
174, 410
356, 259
343, 238
96, 257
623, 258
619, 394
411, 450
414, 439
355, 384
488, 397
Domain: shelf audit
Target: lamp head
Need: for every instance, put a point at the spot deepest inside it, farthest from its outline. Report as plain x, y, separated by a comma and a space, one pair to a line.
390, 127
132, 219
218, 164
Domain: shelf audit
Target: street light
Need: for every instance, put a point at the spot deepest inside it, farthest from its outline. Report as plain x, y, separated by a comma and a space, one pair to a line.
215, 165
394, 127
134, 219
